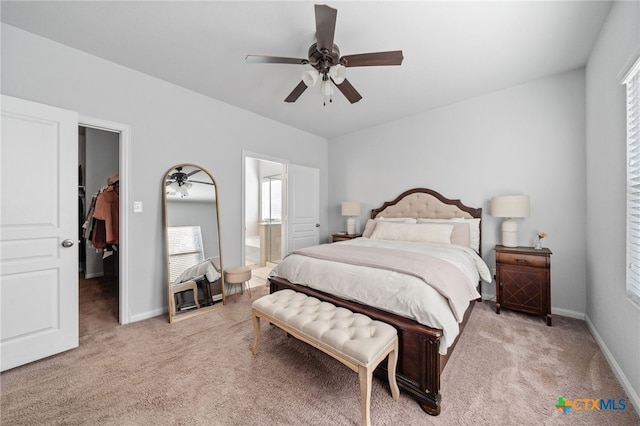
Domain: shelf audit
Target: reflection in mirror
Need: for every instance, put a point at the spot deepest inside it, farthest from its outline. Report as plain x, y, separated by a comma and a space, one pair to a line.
192, 233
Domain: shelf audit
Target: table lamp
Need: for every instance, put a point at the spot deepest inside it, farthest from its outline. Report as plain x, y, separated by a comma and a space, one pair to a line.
510, 206
351, 209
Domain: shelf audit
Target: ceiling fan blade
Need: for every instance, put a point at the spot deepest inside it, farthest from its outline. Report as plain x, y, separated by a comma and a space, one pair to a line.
199, 181
295, 94
261, 59
325, 26
193, 172
348, 91
393, 57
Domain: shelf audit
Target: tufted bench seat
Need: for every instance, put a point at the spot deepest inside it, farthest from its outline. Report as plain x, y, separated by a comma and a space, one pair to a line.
354, 339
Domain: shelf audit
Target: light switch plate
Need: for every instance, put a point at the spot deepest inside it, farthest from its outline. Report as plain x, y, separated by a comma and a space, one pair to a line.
137, 206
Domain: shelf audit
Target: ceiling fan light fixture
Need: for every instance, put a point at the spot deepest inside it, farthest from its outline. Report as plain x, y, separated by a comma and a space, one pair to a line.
310, 77
326, 88
338, 73
184, 191
179, 186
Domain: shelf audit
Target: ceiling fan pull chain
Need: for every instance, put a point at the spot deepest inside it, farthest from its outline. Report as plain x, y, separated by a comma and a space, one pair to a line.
324, 101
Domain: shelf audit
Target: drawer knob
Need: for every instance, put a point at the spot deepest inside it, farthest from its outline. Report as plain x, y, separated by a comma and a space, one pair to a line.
521, 260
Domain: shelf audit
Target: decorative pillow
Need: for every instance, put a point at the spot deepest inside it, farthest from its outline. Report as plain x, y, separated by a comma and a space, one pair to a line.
461, 234
474, 229
428, 232
368, 228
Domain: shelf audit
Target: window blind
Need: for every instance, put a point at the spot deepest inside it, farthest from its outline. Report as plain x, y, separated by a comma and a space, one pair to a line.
633, 183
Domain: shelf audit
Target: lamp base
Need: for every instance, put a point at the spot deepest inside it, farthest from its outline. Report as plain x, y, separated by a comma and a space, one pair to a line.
351, 226
510, 233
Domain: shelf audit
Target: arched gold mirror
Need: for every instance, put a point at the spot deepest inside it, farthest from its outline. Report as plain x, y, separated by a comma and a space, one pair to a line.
195, 278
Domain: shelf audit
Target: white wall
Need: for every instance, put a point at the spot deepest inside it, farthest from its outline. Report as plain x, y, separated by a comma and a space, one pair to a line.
612, 318
252, 197
169, 125
527, 139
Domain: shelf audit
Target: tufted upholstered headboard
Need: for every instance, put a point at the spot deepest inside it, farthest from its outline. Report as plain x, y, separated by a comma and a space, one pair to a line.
425, 203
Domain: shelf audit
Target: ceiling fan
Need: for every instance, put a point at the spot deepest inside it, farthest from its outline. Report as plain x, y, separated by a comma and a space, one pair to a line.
179, 182
328, 65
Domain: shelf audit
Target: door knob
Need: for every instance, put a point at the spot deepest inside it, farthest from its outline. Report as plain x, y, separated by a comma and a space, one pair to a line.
317, 225
67, 243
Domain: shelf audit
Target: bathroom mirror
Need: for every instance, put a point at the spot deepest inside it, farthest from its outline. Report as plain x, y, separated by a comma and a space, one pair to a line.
195, 278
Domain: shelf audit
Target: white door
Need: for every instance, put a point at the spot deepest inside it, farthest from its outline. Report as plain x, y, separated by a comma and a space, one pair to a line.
303, 207
38, 231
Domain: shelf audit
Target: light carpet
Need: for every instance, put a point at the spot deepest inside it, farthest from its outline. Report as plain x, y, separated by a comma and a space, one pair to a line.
507, 369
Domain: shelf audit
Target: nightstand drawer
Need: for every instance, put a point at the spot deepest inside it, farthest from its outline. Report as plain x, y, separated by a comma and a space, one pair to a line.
521, 259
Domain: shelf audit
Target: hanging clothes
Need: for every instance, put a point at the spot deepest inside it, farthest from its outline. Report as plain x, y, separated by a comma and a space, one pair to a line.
107, 209
87, 232
101, 228
99, 234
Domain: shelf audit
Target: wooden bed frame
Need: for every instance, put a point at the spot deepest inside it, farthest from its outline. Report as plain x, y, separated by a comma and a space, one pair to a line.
420, 363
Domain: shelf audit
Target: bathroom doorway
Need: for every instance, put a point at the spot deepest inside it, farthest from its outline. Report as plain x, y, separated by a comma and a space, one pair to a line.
265, 186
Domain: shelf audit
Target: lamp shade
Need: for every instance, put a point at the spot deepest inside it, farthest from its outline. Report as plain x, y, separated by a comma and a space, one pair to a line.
350, 208
338, 73
310, 77
510, 206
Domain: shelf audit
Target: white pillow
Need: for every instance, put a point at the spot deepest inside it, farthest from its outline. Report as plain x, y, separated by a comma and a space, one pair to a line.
371, 223
474, 225
428, 232
397, 219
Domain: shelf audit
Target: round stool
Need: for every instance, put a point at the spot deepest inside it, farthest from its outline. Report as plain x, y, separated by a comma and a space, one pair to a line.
238, 275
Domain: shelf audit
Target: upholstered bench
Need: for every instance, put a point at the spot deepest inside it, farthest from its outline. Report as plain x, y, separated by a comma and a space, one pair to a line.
354, 339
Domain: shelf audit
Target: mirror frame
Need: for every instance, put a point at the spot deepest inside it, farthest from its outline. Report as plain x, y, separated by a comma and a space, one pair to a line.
205, 309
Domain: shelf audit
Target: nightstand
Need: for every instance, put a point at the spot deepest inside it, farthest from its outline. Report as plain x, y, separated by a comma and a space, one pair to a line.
523, 280
344, 237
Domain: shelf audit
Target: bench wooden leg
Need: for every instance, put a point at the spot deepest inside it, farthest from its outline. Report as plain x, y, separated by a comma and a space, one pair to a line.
366, 378
256, 333
391, 370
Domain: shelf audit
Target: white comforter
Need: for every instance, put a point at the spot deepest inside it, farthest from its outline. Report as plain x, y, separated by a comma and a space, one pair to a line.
395, 292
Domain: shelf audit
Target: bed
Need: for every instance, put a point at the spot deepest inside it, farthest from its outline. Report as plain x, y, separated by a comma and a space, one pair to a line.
364, 275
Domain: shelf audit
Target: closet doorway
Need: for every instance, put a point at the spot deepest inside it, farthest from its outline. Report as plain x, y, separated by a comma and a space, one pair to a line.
99, 228
264, 228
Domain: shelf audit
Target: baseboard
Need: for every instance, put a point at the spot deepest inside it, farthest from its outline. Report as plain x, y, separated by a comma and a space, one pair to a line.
149, 314
554, 311
622, 378
568, 313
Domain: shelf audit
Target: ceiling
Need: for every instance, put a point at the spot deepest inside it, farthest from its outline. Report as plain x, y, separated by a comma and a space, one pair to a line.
452, 50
